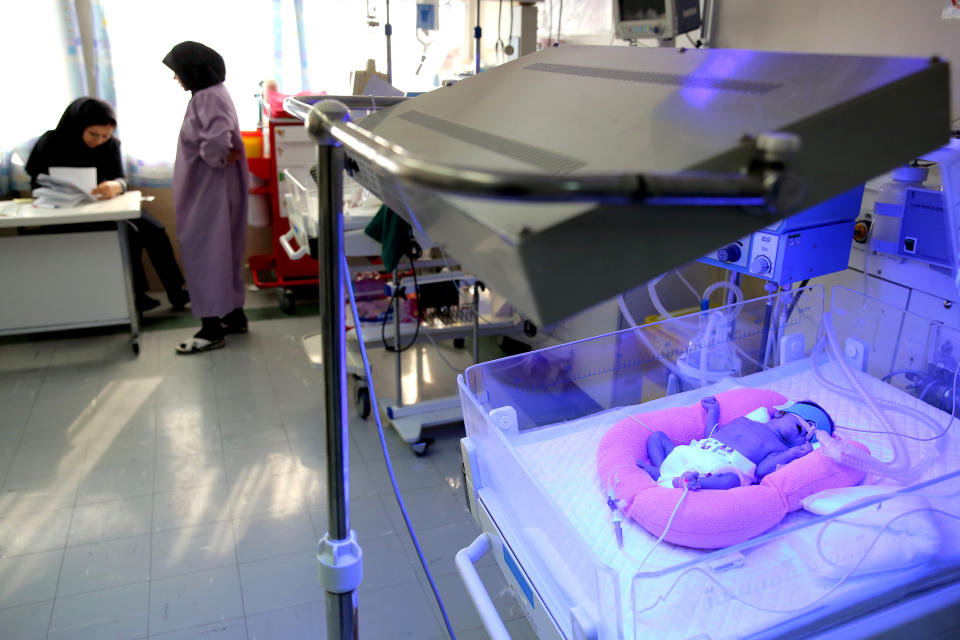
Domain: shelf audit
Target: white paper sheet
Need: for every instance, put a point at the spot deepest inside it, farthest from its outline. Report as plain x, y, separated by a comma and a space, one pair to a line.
83, 177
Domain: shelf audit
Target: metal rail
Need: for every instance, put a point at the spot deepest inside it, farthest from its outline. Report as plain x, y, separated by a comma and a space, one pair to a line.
765, 187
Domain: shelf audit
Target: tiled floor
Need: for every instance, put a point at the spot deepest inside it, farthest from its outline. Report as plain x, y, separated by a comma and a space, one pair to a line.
182, 497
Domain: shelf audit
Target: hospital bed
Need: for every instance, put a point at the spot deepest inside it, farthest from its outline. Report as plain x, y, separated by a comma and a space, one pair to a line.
534, 422
562, 179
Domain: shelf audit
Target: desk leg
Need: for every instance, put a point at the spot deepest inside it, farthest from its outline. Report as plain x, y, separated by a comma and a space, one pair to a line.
123, 231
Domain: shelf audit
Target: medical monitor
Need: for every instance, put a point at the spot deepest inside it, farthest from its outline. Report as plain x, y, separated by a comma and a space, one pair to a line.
661, 19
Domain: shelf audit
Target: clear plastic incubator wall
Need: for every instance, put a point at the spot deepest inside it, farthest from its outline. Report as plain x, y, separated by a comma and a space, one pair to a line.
887, 377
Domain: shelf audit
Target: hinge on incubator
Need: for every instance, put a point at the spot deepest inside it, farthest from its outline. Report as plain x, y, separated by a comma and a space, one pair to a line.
792, 347
505, 418
855, 351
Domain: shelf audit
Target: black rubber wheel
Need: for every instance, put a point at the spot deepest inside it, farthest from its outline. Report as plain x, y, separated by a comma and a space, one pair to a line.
420, 446
136, 348
288, 304
529, 329
459, 343
362, 402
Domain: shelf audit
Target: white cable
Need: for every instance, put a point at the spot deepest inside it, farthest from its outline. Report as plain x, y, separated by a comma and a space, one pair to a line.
684, 281
686, 490
732, 596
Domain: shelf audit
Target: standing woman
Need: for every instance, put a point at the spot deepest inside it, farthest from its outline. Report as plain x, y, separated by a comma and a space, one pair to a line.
84, 138
210, 186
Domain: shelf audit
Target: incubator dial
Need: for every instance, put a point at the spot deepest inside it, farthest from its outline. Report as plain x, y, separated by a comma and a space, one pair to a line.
730, 253
761, 265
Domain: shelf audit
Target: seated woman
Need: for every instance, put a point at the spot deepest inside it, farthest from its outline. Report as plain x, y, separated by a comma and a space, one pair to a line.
738, 453
84, 138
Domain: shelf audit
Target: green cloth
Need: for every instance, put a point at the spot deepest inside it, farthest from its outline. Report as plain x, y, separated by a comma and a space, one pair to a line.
394, 235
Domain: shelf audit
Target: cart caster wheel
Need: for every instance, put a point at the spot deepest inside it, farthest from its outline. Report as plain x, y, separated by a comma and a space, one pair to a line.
459, 343
420, 447
529, 329
136, 348
362, 402
288, 303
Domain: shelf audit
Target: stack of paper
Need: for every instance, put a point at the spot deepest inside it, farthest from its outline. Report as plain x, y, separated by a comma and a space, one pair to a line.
54, 192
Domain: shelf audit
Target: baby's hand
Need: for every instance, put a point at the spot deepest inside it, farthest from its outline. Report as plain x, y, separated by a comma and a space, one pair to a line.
804, 449
710, 402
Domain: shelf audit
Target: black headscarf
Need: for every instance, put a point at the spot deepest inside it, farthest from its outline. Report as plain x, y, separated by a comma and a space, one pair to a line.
197, 65
64, 146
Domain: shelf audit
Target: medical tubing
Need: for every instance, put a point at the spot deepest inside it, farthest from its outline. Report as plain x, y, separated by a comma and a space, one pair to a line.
686, 490
819, 376
724, 284
611, 494
640, 332
652, 290
899, 467
829, 591
375, 410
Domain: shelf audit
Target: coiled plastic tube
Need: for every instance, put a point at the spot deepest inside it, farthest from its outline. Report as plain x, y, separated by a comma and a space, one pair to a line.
850, 455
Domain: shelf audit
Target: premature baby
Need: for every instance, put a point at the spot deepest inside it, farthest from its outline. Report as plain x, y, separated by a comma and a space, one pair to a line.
738, 453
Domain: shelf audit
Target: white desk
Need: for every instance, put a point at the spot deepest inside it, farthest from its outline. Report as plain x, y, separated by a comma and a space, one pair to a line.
54, 281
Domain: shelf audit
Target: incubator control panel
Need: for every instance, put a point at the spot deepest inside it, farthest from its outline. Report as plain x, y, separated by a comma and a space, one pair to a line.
763, 253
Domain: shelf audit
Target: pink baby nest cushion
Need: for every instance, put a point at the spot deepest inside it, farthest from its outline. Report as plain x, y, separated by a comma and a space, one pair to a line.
709, 519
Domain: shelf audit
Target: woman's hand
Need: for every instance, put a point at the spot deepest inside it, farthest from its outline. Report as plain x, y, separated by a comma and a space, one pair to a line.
107, 189
233, 156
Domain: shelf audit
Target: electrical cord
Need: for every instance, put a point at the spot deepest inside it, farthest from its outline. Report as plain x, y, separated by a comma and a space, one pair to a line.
397, 289
375, 410
440, 353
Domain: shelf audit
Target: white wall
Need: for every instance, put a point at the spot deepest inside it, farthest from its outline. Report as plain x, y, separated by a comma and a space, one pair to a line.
865, 27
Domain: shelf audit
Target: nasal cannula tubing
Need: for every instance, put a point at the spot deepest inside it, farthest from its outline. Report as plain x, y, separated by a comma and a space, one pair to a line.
894, 406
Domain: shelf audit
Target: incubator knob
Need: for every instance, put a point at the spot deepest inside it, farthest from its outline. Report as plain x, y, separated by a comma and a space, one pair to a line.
730, 253
761, 265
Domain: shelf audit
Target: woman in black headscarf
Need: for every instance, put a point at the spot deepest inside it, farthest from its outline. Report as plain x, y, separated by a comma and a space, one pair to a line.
84, 138
210, 187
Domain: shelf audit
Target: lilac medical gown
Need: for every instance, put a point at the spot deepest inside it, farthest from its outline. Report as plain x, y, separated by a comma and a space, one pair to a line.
211, 202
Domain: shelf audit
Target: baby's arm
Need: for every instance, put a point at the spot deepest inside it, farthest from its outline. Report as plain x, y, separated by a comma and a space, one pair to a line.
713, 414
769, 464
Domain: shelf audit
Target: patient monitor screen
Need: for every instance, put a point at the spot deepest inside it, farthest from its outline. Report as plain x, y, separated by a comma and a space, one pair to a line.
642, 9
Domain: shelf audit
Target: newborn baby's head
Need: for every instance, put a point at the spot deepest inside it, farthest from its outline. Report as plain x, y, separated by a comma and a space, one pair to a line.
796, 422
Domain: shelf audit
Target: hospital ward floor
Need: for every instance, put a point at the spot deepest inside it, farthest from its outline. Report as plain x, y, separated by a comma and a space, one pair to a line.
181, 497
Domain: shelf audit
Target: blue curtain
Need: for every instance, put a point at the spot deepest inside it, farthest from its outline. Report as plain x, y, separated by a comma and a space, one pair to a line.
102, 58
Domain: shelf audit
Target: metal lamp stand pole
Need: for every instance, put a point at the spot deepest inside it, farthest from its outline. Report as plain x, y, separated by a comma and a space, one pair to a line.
340, 559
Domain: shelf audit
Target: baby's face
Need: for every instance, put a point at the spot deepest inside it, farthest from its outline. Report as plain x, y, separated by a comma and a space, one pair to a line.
792, 429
